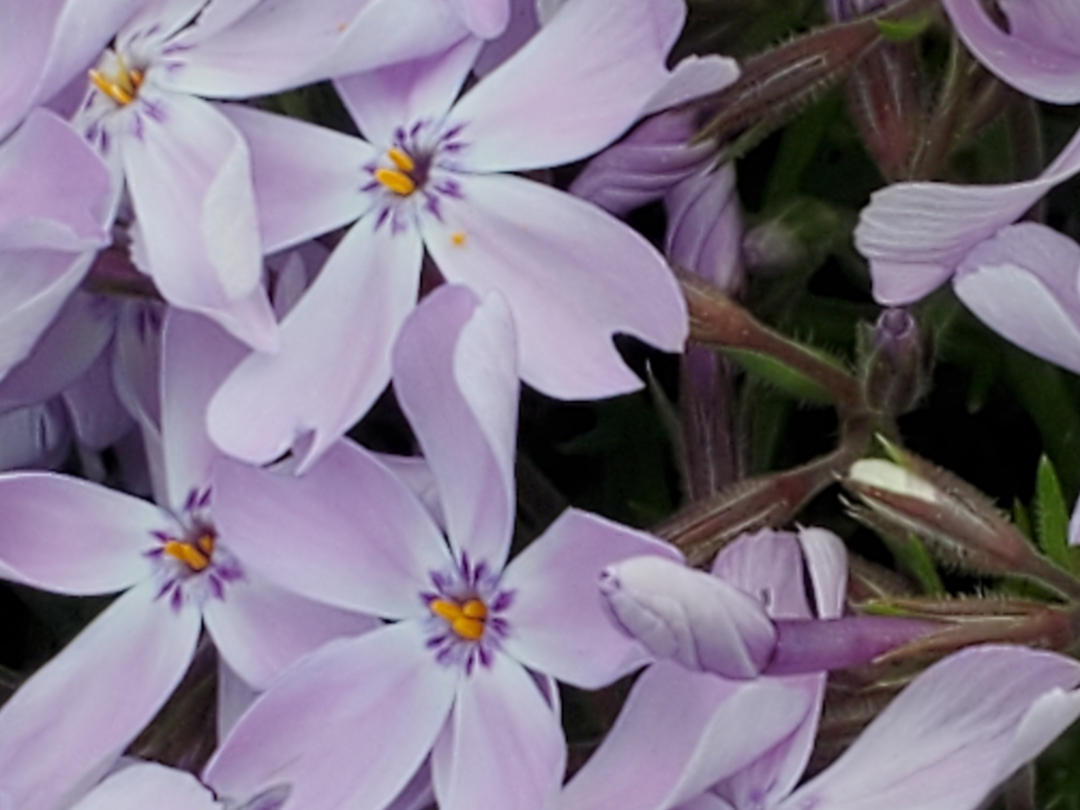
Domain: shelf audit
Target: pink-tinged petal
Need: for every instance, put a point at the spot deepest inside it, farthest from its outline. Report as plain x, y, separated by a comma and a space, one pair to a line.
189, 175
706, 801
51, 173
558, 623
1023, 284
572, 274
24, 46
265, 47
260, 629
503, 746
521, 26
334, 358
691, 78
98, 418
70, 536
704, 230
1037, 57
384, 100
654, 157
349, 724
455, 375
915, 234
673, 739
769, 565
485, 18
388, 32
307, 178
697, 619
942, 744
347, 533
571, 89
415, 473
197, 356
76, 715
144, 785
73, 341
827, 566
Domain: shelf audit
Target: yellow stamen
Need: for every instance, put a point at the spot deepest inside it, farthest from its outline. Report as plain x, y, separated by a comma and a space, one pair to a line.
446, 610
474, 609
401, 159
471, 629
466, 620
205, 544
458, 238
111, 89
192, 557
397, 182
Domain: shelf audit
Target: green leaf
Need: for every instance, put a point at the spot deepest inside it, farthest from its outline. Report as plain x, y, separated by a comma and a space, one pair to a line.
906, 29
912, 554
1052, 516
784, 378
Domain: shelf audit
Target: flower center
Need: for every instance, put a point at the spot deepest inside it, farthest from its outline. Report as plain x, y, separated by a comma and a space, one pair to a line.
402, 179
467, 619
195, 554
121, 84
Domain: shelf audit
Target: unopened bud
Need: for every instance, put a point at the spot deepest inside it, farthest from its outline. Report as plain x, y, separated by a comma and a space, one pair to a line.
958, 522
894, 363
817, 645
687, 615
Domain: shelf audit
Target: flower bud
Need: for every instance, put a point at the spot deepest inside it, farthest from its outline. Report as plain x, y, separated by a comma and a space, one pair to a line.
692, 617
894, 365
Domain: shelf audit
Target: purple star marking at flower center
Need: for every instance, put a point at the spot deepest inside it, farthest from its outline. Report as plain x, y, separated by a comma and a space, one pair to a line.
419, 165
465, 623
189, 563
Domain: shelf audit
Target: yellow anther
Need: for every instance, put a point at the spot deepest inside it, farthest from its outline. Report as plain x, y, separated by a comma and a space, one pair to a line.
401, 159
466, 620
397, 182
458, 238
446, 610
111, 89
205, 544
192, 557
471, 629
474, 609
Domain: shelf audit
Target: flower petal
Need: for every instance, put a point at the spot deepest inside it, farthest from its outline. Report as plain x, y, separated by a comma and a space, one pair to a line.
70, 536
189, 175
455, 375
485, 18
942, 744
571, 89
503, 746
1023, 284
769, 565
385, 100
272, 46
572, 274
704, 230
260, 629
76, 715
347, 533
827, 566
559, 625
196, 357
1037, 57
348, 724
673, 739
334, 358
915, 234
149, 785
306, 177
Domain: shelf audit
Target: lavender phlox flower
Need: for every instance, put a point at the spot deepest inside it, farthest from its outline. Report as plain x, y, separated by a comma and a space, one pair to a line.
433, 175
79, 711
1037, 53
1021, 279
463, 670
53, 218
